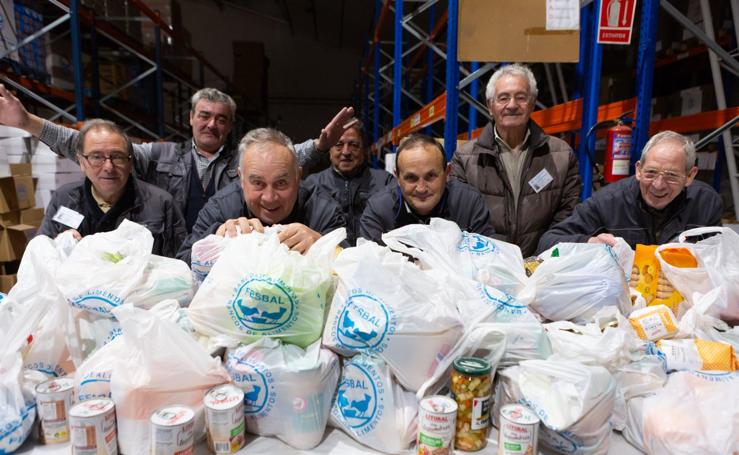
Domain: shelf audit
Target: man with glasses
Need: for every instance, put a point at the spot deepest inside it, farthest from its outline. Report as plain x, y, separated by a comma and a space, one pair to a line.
192, 170
109, 194
528, 179
349, 180
653, 207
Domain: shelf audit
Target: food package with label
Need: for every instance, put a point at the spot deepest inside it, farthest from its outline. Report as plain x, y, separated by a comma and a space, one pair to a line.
696, 354
648, 278
654, 323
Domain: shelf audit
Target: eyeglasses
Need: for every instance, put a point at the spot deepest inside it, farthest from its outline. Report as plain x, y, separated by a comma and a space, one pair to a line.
519, 98
98, 159
672, 178
351, 144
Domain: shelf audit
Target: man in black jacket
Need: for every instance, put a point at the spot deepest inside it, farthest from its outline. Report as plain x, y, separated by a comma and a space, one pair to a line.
192, 170
349, 180
109, 194
652, 208
267, 193
423, 192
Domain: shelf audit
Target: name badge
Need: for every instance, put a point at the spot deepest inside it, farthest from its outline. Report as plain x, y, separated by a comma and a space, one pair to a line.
68, 217
541, 180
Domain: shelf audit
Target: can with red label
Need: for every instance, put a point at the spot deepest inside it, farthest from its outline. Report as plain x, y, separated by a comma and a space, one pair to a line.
437, 417
519, 431
92, 424
172, 431
53, 401
224, 418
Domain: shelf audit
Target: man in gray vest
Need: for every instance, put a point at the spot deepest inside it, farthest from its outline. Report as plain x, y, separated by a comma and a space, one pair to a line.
192, 170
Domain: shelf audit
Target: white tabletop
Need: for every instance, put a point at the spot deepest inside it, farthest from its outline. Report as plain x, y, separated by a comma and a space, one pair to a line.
335, 442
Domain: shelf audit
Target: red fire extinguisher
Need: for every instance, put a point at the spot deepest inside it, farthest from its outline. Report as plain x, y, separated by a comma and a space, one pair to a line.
618, 153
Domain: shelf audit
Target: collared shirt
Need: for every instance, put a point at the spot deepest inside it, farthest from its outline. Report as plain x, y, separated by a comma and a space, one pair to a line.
513, 160
204, 165
104, 206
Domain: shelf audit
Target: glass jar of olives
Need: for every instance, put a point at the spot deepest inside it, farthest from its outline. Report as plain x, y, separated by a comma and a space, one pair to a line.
471, 387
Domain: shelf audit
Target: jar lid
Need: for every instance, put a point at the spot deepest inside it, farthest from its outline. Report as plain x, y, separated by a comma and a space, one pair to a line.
472, 366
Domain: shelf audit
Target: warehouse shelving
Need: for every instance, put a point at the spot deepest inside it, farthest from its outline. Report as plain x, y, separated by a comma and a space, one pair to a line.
104, 34
574, 116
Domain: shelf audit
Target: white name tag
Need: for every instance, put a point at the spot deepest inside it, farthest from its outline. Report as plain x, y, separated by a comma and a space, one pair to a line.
541, 180
68, 217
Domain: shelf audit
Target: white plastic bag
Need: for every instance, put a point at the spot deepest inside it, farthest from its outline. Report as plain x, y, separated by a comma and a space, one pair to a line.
104, 268
575, 280
163, 279
697, 322
205, 253
258, 288
160, 366
573, 401
696, 412
607, 341
372, 408
524, 341
718, 266
288, 391
442, 245
387, 306
92, 379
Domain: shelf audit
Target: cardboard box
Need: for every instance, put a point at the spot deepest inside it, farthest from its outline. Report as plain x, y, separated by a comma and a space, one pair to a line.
7, 282
32, 217
497, 31
14, 236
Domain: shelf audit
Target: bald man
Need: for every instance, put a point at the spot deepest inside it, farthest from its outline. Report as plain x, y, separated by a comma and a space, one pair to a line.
268, 192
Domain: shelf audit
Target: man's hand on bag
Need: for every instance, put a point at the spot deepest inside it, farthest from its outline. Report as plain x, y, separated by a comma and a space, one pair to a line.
75, 234
245, 226
608, 239
12, 113
298, 237
331, 133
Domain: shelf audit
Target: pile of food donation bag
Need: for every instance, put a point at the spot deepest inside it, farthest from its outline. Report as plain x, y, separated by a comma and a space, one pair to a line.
590, 338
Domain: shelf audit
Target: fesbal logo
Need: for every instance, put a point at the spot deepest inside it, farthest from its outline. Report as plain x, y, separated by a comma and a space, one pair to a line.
263, 305
365, 322
476, 244
257, 382
360, 399
97, 301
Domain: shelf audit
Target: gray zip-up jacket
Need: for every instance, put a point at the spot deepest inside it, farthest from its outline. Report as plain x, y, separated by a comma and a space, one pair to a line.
351, 193
167, 164
315, 210
142, 203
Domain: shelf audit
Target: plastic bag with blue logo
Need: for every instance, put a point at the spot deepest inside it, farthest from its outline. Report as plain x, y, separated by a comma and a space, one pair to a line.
442, 245
259, 288
372, 408
288, 391
695, 412
104, 268
574, 401
160, 365
575, 280
205, 253
20, 316
388, 306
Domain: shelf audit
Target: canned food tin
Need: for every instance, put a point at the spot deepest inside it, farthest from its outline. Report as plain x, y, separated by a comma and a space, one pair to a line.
224, 418
53, 401
519, 430
471, 387
437, 416
172, 431
92, 424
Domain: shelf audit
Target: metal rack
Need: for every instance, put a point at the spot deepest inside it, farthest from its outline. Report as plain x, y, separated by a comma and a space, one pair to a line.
578, 115
80, 20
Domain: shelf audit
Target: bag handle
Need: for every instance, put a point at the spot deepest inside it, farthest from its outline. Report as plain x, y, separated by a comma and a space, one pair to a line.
700, 231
